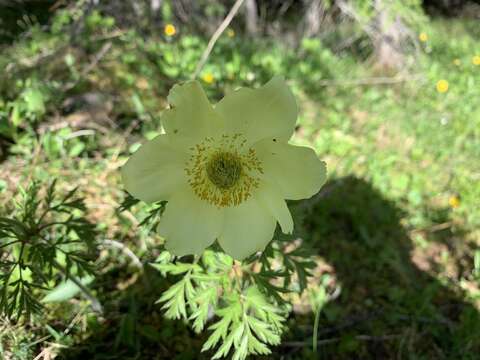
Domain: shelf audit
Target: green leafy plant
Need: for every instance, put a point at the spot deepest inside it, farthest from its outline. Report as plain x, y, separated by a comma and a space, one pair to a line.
45, 238
30, 104
244, 300
153, 212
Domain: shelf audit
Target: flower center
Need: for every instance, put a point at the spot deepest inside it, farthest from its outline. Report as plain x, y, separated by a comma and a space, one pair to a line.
223, 171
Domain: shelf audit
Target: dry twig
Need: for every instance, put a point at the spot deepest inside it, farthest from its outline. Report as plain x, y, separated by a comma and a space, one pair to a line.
96, 59
118, 245
216, 36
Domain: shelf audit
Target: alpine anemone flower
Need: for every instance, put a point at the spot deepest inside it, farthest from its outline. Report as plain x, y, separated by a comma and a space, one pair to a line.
225, 169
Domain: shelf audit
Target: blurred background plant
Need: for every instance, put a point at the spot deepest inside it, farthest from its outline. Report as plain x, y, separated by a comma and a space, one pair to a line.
387, 253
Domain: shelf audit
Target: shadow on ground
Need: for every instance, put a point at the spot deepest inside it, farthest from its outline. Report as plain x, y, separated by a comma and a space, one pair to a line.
389, 307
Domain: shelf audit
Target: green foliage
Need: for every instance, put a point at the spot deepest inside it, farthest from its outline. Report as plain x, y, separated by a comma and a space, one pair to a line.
294, 260
153, 212
409, 10
248, 324
242, 296
45, 234
30, 104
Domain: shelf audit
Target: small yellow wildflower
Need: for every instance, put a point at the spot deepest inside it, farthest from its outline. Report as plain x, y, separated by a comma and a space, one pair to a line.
208, 78
457, 62
476, 60
230, 33
170, 30
442, 86
423, 37
454, 202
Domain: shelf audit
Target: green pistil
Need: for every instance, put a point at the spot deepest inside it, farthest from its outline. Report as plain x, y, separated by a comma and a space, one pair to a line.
224, 170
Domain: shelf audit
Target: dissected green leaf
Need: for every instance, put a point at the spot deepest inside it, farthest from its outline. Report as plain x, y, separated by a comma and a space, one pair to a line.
46, 236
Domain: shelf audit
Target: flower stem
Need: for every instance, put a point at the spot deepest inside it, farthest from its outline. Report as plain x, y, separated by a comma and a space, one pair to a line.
315, 329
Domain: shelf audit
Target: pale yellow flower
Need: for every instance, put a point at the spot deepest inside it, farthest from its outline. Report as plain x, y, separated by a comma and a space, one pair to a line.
476, 60
442, 86
457, 62
170, 30
225, 170
454, 202
423, 37
208, 78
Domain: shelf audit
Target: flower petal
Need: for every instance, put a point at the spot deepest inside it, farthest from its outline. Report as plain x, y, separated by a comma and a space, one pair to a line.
191, 115
155, 171
189, 224
247, 228
270, 111
297, 170
272, 198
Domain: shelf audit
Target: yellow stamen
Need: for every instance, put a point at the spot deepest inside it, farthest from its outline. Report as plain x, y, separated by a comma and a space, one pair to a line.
222, 171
